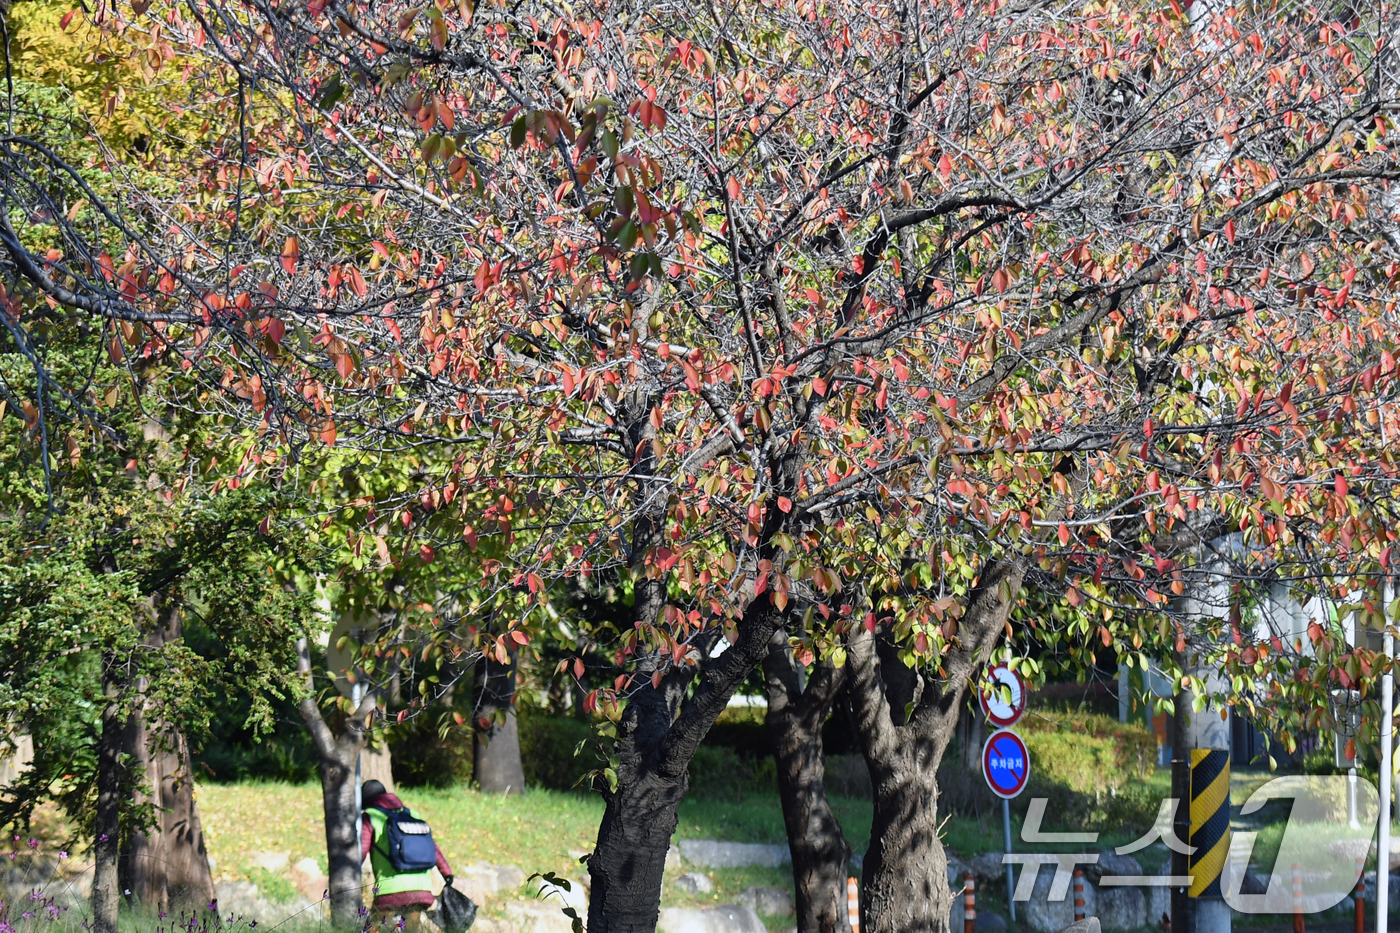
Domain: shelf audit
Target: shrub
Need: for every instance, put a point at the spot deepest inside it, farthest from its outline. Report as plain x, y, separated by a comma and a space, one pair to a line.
1088, 766
547, 746
720, 773
431, 750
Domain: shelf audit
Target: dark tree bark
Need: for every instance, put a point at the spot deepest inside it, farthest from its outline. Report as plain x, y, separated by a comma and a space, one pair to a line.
659, 732
905, 870
338, 755
166, 864
106, 885
820, 852
496, 760
661, 726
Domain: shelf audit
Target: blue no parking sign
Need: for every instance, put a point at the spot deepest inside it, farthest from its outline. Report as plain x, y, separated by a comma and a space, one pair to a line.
1005, 763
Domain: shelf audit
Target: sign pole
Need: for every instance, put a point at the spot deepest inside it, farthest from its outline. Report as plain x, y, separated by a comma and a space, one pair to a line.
1006, 838
1006, 764
1387, 752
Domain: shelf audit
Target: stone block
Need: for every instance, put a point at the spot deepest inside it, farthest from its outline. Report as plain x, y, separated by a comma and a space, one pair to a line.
709, 853
694, 883
727, 918
773, 902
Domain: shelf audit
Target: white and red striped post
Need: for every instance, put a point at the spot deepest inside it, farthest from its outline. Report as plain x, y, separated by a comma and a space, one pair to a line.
1297, 898
969, 904
1078, 895
853, 904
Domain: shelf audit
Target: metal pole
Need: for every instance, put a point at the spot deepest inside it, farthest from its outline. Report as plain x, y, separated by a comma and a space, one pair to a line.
1351, 799
1387, 751
1006, 839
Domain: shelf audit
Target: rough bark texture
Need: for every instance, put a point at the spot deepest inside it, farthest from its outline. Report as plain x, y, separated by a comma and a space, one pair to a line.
168, 865
106, 885
377, 764
660, 730
165, 864
820, 852
661, 727
905, 871
496, 761
338, 755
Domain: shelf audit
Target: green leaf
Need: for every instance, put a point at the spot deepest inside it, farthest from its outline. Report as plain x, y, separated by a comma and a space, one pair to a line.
331, 94
627, 236
517, 132
431, 146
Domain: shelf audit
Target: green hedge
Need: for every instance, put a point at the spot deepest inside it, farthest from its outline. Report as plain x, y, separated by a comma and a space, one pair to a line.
547, 745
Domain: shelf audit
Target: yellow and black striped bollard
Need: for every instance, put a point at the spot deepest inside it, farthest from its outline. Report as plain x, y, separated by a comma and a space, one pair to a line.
1210, 820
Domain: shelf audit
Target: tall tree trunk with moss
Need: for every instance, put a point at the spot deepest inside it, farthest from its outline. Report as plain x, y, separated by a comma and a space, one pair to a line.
820, 852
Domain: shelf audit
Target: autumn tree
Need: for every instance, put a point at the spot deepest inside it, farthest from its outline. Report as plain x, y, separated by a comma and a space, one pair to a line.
841, 323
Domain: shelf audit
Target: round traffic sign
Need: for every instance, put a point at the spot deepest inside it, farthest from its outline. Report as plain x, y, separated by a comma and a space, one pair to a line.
1005, 763
1004, 703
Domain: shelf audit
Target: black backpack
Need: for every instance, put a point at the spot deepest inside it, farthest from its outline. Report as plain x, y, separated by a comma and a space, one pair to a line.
408, 842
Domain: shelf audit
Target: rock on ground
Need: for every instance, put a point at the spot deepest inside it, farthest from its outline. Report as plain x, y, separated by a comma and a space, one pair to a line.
558, 897
272, 861
957, 869
727, 918
1091, 925
243, 899
1122, 908
709, 853
1046, 916
311, 883
693, 882
537, 917
988, 869
1159, 899
480, 880
989, 923
775, 902
1111, 863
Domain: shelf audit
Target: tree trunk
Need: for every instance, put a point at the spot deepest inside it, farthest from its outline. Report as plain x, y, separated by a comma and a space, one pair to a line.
338, 755
905, 870
106, 890
820, 852
633, 839
342, 836
496, 748
659, 732
377, 764
167, 865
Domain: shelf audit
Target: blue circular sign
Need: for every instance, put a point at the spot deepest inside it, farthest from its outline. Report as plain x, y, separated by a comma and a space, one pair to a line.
1005, 763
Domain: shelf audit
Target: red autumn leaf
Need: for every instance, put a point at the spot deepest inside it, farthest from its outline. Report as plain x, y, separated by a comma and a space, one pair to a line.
291, 252
427, 554
328, 433
1064, 533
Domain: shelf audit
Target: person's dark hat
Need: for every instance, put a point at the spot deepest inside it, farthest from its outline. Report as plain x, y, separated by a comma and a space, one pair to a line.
371, 789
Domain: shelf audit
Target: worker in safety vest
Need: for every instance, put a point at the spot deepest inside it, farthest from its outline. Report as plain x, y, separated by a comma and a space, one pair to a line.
400, 897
